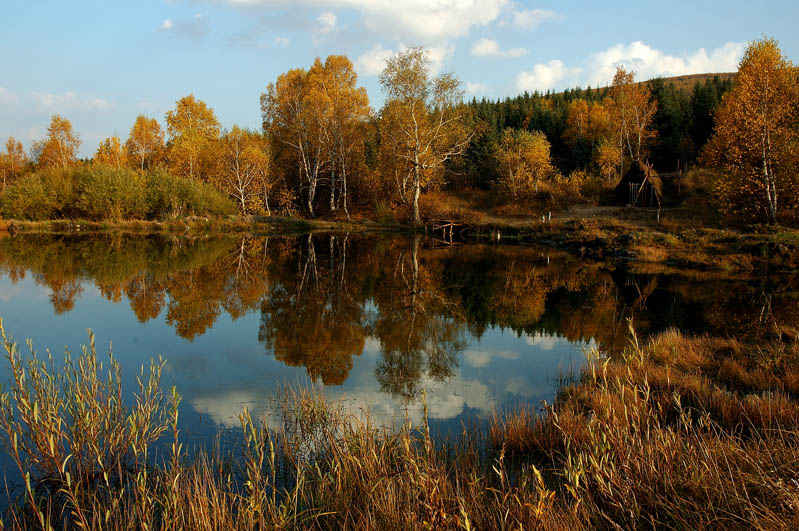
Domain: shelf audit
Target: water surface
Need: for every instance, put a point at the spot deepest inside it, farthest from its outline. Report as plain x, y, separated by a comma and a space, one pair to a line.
371, 320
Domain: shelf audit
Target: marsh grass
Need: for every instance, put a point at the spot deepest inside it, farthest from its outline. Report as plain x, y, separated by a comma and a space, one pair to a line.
678, 432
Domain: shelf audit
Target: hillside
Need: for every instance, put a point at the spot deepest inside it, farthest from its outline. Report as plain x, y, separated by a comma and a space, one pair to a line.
688, 82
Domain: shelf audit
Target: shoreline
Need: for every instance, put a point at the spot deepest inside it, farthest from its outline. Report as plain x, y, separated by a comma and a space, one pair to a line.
602, 238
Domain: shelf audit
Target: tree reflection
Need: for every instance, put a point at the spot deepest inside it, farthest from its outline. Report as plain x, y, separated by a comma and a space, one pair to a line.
314, 316
323, 297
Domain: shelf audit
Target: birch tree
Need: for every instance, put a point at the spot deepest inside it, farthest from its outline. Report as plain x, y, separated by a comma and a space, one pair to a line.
111, 152
193, 130
244, 169
60, 147
756, 135
145, 142
13, 161
430, 129
294, 118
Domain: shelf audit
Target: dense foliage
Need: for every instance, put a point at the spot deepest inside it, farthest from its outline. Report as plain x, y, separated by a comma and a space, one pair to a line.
323, 149
99, 192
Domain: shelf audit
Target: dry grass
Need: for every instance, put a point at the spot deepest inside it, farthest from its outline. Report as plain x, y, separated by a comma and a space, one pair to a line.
648, 253
678, 433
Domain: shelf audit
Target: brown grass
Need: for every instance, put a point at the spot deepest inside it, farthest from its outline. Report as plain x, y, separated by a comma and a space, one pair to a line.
677, 433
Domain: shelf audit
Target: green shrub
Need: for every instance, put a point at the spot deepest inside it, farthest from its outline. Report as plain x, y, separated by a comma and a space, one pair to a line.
103, 192
169, 196
38, 196
100, 192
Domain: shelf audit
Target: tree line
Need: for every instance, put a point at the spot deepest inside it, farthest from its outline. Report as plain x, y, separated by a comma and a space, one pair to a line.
322, 148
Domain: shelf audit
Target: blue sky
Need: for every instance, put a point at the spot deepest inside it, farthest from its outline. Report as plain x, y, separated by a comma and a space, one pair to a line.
101, 64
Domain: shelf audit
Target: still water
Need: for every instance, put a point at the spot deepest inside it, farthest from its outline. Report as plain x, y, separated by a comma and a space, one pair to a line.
371, 320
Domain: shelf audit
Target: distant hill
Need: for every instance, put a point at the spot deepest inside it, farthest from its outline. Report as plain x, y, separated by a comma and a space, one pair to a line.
687, 82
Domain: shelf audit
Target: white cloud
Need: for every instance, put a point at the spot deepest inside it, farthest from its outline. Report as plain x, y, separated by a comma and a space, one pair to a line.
490, 48
476, 88
531, 18
7, 97
196, 28
281, 41
650, 62
481, 358
372, 62
327, 23
438, 55
647, 62
47, 102
422, 21
544, 341
545, 76
445, 400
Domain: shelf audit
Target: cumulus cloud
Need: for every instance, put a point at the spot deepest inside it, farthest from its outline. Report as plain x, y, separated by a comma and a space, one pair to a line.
196, 28
476, 88
445, 400
423, 21
7, 97
647, 62
47, 102
545, 76
531, 18
481, 358
327, 23
490, 48
372, 62
544, 341
650, 62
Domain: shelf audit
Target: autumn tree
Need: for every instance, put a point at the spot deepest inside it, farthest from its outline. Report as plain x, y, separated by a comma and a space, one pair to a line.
111, 152
145, 142
60, 148
429, 128
523, 160
609, 158
244, 170
193, 129
12, 162
632, 111
344, 108
587, 123
293, 117
756, 135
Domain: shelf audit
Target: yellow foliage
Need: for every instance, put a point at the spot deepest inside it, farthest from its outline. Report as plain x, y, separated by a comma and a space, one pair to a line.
111, 153
193, 130
60, 148
145, 143
755, 140
523, 158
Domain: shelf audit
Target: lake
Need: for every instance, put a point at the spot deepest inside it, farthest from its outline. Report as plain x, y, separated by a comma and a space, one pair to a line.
372, 320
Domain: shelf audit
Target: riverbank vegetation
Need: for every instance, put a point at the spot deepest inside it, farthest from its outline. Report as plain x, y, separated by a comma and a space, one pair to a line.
324, 152
674, 432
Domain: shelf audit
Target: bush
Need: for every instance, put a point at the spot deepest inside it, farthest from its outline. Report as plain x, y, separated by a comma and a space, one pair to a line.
169, 196
38, 196
103, 192
100, 192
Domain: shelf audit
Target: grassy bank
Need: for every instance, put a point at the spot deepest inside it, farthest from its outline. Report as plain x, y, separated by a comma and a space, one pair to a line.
256, 225
611, 235
637, 238
678, 432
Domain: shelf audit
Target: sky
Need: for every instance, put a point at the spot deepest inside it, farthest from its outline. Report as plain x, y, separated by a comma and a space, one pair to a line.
102, 63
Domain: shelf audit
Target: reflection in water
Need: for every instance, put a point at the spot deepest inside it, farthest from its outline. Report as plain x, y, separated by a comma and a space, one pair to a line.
426, 317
